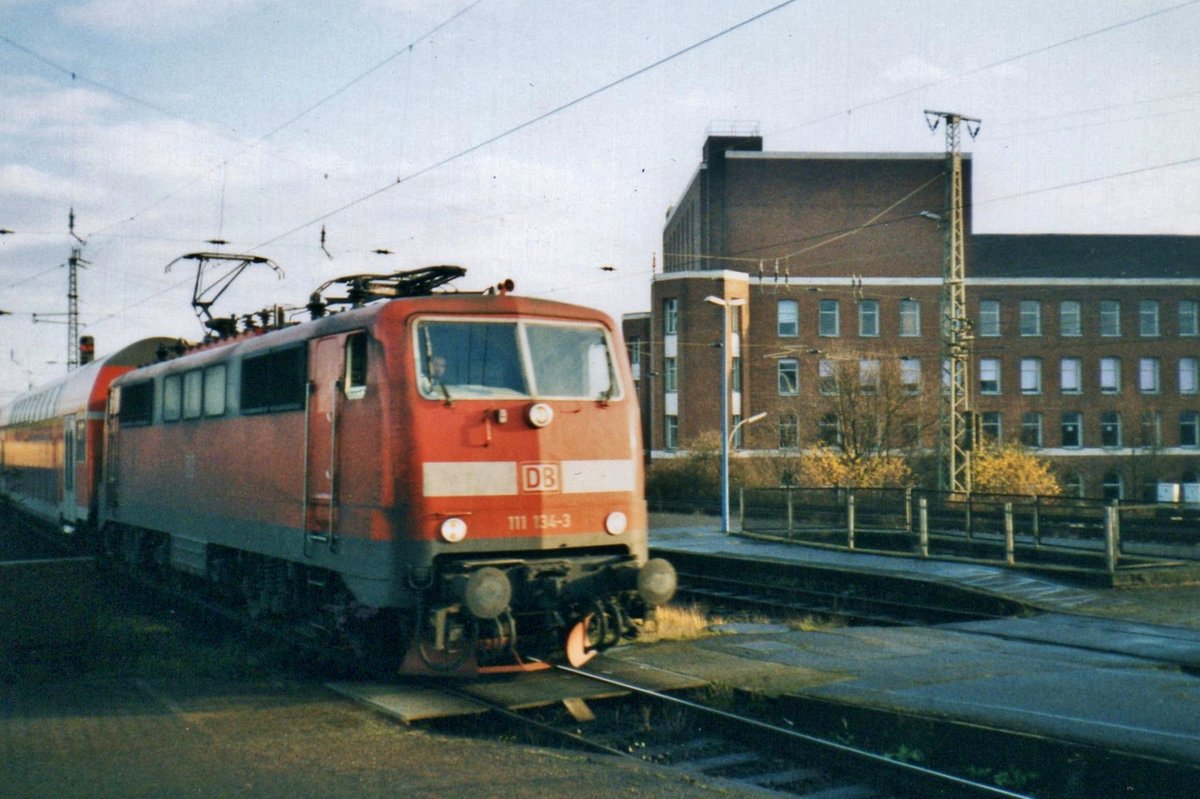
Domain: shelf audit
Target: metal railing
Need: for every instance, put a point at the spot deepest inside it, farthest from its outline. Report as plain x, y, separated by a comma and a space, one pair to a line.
1089, 533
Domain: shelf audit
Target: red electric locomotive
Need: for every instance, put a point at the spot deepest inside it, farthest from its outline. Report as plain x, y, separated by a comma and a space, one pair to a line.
431, 479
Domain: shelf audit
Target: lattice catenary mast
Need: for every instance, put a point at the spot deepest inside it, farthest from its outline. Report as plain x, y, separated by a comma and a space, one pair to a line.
957, 420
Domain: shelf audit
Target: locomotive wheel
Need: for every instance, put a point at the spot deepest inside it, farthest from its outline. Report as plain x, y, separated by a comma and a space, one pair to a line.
578, 647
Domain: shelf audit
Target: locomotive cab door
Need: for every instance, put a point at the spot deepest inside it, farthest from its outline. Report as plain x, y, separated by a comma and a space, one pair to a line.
321, 436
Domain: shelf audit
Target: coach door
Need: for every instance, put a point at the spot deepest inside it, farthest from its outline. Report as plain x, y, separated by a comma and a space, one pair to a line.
321, 442
66, 510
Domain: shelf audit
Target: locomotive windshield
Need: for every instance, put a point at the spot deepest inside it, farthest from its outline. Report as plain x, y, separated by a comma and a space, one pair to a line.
473, 359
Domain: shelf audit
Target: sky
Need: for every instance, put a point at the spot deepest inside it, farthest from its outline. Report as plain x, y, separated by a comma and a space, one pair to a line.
538, 140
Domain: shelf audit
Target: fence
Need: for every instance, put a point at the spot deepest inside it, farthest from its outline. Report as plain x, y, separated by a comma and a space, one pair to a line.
1031, 529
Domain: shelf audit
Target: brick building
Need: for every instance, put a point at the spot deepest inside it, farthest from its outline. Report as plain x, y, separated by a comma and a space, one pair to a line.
1086, 347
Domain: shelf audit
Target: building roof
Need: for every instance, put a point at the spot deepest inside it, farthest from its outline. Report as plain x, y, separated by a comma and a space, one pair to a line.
1083, 256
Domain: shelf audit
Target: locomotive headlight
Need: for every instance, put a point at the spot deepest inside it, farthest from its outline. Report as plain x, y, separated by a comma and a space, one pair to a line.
454, 530
616, 523
539, 414
656, 582
487, 593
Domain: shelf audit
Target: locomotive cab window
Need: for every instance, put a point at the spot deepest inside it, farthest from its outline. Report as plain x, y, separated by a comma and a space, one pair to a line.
474, 360
355, 379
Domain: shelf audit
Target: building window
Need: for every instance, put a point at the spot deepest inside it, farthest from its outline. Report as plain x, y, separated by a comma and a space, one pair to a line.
670, 317
1070, 318
868, 375
789, 431
1110, 429
910, 318
1151, 430
827, 377
1148, 375
989, 318
735, 378
1189, 429
788, 372
829, 323
671, 433
868, 318
1148, 318
738, 430
1072, 429
1031, 318
1031, 375
670, 375
1073, 485
1110, 318
1189, 318
910, 375
788, 318
1189, 375
1114, 486
828, 431
634, 345
1110, 375
989, 375
991, 426
1031, 430
1071, 377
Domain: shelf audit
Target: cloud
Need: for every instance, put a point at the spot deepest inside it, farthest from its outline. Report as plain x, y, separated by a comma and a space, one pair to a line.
161, 19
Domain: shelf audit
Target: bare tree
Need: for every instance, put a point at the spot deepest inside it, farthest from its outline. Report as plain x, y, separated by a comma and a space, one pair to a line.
875, 404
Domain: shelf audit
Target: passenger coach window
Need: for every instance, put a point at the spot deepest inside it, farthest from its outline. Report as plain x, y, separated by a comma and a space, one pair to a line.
214, 390
193, 395
137, 403
172, 398
275, 381
356, 366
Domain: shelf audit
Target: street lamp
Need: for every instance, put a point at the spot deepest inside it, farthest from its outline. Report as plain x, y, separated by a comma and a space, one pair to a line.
733, 433
725, 306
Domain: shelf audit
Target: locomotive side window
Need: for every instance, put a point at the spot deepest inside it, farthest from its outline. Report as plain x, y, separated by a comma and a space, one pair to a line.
355, 380
137, 403
275, 381
172, 398
193, 396
214, 390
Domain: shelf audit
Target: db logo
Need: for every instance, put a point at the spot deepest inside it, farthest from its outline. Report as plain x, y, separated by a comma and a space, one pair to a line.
540, 477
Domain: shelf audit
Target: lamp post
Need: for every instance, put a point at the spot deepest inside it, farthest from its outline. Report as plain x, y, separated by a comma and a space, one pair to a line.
725, 306
756, 417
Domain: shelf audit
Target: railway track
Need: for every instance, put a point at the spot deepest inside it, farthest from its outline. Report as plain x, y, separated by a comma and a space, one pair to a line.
731, 749
789, 589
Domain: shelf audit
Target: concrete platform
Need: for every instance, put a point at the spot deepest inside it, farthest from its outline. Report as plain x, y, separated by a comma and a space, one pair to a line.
411, 701
1106, 681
